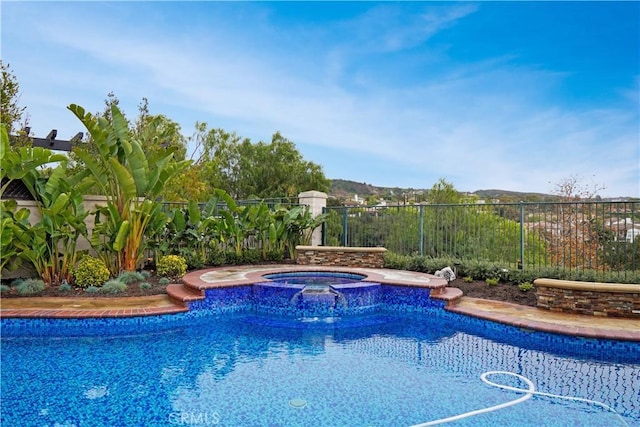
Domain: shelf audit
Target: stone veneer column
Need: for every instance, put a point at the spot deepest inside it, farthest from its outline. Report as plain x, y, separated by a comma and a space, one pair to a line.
316, 200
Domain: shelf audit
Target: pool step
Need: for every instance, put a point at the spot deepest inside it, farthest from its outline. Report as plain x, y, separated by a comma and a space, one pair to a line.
451, 295
184, 294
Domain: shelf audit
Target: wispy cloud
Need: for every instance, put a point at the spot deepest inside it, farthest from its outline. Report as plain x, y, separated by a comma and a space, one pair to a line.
341, 89
390, 27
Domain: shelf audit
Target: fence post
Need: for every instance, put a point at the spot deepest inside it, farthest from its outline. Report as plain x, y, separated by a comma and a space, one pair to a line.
316, 201
421, 245
344, 226
521, 236
324, 229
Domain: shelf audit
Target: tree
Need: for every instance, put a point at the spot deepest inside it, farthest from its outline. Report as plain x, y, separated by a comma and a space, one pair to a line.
131, 182
443, 192
576, 241
10, 111
156, 133
572, 189
260, 170
219, 159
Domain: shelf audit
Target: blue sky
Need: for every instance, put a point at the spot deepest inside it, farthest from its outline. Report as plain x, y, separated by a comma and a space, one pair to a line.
511, 95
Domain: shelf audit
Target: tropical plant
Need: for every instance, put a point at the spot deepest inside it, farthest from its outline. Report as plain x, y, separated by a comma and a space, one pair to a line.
49, 244
300, 224
8, 249
131, 182
291, 227
23, 162
191, 232
236, 225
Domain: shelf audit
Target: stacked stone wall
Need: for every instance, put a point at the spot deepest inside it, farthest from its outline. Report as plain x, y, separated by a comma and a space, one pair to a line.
596, 299
332, 256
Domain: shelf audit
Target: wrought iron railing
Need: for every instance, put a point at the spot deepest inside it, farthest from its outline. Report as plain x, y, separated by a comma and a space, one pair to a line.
271, 203
600, 236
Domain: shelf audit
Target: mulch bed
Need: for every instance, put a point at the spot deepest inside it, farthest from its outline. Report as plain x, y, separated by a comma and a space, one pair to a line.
501, 292
133, 290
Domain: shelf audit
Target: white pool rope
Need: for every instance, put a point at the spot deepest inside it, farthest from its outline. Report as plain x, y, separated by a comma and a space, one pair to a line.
528, 394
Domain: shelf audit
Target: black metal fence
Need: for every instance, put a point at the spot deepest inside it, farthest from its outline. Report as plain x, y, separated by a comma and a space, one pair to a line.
600, 236
272, 203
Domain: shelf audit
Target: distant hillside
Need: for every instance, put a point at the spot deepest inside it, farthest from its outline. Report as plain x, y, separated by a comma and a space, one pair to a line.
344, 189
516, 196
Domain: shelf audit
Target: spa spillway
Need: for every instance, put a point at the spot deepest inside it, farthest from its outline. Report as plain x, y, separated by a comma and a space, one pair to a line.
316, 294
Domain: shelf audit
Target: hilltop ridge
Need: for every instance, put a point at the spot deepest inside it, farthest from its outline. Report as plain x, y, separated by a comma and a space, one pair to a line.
343, 189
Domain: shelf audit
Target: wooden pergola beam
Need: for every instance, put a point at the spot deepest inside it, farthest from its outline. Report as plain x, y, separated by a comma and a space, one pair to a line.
49, 141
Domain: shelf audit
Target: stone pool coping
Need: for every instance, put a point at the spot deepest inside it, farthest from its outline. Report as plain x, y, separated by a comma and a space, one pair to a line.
84, 308
196, 283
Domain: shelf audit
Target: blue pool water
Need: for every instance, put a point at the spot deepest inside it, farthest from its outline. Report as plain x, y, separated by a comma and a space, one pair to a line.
315, 278
388, 368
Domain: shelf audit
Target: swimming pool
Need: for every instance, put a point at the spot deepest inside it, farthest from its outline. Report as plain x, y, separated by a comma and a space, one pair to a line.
389, 368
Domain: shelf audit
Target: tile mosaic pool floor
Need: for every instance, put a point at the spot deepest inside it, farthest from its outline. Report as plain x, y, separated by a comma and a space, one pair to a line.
512, 314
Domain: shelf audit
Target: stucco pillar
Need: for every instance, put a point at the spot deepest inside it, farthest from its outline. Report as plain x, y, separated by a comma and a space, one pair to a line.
316, 200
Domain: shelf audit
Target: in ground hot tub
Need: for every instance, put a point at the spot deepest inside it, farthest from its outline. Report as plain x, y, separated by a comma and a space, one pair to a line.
309, 294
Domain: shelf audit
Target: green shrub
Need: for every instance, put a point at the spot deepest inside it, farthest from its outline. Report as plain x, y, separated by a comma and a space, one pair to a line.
114, 286
164, 281
468, 279
520, 276
129, 277
482, 270
90, 271
251, 256
65, 287
172, 266
417, 263
92, 290
525, 286
216, 257
396, 261
478, 269
4, 289
30, 286
194, 260
492, 281
145, 285
232, 258
274, 255
145, 274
